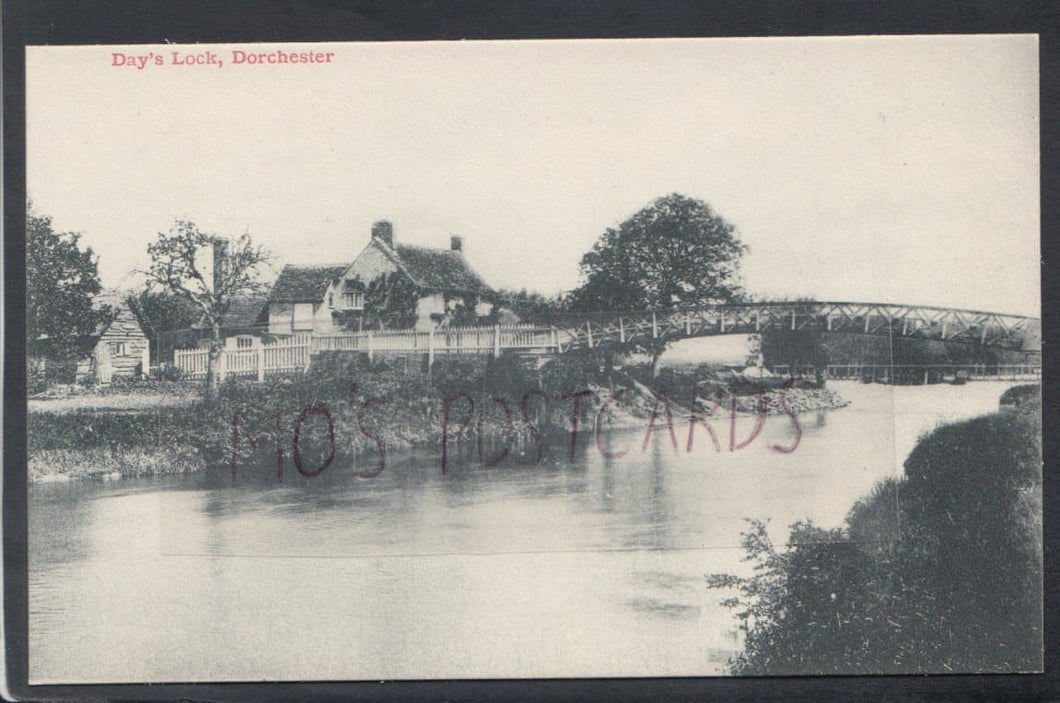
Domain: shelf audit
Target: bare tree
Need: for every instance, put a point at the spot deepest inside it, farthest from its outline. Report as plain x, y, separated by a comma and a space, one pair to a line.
176, 260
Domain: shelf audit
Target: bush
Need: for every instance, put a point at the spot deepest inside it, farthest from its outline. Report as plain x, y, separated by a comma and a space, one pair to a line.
960, 591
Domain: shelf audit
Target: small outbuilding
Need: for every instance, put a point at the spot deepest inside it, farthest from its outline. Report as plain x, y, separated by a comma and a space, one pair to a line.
117, 348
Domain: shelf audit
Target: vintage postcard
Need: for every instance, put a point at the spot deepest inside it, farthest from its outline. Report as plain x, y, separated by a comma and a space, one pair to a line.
533, 359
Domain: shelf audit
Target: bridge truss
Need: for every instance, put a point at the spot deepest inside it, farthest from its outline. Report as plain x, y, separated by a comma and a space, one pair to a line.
989, 329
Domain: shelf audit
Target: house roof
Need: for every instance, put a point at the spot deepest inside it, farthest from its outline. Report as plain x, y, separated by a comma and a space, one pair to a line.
304, 283
439, 269
243, 311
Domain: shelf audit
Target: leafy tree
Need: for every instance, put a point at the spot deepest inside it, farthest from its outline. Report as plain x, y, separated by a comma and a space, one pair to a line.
162, 311
175, 267
61, 282
675, 252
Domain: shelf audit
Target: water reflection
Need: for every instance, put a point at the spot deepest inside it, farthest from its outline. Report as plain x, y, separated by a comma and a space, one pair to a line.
591, 567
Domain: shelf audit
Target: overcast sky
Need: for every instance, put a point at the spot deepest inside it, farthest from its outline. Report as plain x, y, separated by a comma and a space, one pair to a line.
879, 169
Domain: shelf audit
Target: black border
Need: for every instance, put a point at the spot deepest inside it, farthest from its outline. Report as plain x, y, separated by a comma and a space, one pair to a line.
27, 22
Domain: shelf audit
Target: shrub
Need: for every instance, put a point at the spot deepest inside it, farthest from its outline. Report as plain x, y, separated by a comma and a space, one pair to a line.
960, 591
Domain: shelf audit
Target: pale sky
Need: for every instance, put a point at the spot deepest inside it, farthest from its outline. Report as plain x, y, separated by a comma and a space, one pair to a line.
897, 169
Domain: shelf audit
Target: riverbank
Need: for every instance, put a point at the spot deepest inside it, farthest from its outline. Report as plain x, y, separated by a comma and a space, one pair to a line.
345, 410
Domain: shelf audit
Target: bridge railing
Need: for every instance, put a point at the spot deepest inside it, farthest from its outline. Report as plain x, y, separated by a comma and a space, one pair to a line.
971, 372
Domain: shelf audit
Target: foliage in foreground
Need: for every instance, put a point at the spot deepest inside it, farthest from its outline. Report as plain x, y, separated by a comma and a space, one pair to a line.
958, 589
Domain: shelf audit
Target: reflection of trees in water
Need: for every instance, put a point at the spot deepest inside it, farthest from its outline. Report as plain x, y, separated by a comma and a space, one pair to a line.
58, 520
634, 490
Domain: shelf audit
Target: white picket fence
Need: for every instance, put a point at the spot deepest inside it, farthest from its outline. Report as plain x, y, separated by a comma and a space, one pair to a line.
455, 340
295, 353
282, 356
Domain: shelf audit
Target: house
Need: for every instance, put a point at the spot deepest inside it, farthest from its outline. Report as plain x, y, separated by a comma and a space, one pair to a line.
328, 298
117, 348
242, 324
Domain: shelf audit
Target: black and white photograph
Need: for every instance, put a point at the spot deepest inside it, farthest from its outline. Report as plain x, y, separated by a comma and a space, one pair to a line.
533, 359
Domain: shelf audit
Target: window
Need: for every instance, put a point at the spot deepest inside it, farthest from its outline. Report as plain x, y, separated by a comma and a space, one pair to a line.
244, 342
352, 300
118, 348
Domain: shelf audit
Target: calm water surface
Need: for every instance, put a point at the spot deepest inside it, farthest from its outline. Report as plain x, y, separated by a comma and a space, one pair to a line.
587, 568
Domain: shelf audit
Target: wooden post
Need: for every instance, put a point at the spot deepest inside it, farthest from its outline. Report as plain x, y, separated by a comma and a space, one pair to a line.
261, 364
654, 326
945, 327
496, 340
828, 324
621, 331
430, 349
589, 333
793, 319
721, 321
688, 324
758, 320
370, 349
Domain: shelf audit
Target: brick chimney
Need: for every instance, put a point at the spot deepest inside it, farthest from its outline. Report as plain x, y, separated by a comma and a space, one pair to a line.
220, 257
383, 230
456, 243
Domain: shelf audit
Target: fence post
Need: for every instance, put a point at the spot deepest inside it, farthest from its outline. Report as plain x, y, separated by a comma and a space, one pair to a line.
430, 349
496, 340
370, 355
261, 364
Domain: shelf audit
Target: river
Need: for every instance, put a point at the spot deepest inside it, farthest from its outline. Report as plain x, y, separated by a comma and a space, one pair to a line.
590, 567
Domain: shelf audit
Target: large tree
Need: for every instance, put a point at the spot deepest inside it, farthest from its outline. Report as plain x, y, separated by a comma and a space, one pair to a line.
164, 317
177, 262
675, 252
62, 279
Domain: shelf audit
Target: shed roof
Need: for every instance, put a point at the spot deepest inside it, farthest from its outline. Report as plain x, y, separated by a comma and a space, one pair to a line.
243, 311
304, 283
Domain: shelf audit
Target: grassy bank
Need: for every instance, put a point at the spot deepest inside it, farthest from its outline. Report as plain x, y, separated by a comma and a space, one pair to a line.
366, 405
937, 572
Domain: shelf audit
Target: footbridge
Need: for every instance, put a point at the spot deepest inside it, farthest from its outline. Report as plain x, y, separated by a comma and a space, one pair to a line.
565, 333
571, 332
